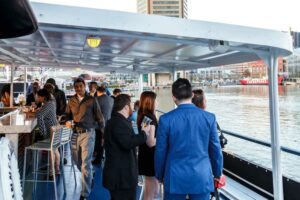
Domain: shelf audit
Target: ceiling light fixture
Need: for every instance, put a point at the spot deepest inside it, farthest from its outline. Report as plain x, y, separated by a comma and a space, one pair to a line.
93, 41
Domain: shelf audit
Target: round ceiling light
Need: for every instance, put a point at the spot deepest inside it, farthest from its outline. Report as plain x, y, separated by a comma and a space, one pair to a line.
93, 42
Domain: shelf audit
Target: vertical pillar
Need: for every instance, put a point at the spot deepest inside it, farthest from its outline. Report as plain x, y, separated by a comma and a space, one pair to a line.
140, 84
7, 73
272, 62
174, 75
11, 85
25, 81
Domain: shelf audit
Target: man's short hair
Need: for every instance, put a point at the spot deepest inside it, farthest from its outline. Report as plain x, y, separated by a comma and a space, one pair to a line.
117, 91
78, 80
49, 87
93, 83
5, 88
51, 80
182, 89
101, 89
121, 101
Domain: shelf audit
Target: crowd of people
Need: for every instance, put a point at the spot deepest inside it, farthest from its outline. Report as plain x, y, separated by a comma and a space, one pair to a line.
181, 150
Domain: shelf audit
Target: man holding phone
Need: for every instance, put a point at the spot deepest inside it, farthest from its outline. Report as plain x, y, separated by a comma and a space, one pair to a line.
120, 173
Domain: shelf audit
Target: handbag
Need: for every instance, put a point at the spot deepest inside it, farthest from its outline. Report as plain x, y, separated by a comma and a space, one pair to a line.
222, 138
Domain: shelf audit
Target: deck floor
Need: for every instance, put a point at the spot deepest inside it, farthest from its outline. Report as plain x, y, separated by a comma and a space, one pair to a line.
45, 191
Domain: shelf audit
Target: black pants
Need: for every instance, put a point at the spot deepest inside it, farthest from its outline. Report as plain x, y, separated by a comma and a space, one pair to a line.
98, 149
128, 194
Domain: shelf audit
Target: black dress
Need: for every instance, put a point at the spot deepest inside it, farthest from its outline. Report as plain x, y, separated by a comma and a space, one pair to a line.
146, 153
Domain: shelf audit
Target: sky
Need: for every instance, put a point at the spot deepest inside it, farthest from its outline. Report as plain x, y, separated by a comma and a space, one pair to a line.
270, 14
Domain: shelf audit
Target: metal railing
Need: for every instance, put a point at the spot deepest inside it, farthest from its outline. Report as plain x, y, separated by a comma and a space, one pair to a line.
256, 141
261, 142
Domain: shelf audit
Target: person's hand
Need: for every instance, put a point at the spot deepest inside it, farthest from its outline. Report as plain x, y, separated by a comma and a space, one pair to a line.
219, 181
69, 124
146, 128
152, 129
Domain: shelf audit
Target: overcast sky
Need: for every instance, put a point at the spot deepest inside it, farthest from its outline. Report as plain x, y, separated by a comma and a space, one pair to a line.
270, 14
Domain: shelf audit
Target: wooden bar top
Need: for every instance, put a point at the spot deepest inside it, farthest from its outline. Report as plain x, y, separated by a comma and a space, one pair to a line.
17, 122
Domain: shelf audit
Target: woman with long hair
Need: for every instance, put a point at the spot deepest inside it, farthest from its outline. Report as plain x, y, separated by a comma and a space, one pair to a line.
146, 150
199, 99
46, 118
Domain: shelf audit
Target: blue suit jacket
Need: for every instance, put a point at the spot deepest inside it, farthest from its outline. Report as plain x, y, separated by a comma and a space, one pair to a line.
188, 153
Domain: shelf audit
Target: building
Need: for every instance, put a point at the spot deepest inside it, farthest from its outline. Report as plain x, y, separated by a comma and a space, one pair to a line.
293, 66
255, 69
169, 8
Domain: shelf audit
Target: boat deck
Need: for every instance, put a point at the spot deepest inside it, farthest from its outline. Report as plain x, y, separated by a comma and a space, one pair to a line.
45, 191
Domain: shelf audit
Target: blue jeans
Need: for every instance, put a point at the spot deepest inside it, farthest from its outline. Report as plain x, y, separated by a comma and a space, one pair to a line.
168, 196
83, 154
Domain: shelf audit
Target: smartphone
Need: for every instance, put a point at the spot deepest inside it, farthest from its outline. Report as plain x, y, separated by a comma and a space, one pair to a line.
146, 121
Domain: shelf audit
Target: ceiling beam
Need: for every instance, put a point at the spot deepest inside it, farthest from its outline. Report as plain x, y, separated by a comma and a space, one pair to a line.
14, 56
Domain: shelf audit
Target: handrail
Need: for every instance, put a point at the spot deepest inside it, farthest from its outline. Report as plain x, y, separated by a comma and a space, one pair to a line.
159, 111
257, 141
261, 142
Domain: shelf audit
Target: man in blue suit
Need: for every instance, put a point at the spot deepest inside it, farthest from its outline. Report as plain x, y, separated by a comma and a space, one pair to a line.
188, 154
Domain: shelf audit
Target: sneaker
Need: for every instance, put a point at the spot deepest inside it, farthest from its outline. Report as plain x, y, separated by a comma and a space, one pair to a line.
93, 179
96, 161
83, 198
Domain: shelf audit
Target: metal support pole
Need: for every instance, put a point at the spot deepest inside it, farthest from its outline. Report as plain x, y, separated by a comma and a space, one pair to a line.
25, 81
174, 75
140, 84
11, 85
272, 62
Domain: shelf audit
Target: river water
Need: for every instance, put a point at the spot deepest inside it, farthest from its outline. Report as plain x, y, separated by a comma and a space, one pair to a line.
245, 110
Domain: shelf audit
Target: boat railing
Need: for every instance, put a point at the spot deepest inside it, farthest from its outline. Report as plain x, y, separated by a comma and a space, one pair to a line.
261, 142
256, 141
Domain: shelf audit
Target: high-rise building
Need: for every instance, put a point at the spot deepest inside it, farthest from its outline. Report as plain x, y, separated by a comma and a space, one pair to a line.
171, 8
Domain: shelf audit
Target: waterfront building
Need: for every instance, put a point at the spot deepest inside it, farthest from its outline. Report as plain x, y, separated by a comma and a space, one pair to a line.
169, 8
293, 66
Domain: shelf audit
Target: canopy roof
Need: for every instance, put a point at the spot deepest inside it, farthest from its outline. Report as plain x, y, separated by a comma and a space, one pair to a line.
136, 42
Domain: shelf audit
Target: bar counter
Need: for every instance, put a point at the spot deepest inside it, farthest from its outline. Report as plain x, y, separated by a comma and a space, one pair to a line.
16, 122
18, 127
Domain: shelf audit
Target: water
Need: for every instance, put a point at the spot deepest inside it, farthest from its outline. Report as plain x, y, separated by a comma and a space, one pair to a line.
245, 110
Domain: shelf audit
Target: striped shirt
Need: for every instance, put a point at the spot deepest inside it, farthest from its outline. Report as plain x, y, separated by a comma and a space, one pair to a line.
46, 117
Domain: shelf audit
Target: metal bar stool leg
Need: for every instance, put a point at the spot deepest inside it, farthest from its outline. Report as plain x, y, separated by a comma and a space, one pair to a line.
63, 172
48, 166
53, 173
35, 172
72, 163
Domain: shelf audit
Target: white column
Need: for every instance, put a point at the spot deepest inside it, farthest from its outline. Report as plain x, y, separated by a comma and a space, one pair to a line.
140, 84
272, 62
174, 75
25, 81
11, 85
7, 73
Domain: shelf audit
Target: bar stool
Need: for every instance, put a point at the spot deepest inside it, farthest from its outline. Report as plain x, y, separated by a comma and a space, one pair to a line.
55, 143
66, 139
